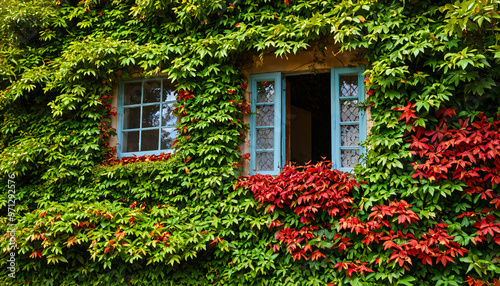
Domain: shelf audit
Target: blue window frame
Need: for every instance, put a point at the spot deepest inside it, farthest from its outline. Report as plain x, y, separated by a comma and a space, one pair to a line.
348, 128
146, 124
268, 124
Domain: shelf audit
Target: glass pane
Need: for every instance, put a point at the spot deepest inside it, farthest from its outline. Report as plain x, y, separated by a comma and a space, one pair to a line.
130, 141
265, 161
152, 91
349, 135
132, 93
149, 140
151, 116
131, 117
349, 158
265, 115
169, 93
348, 85
349, 110
167, 138
265, 91
265, 138
167, 118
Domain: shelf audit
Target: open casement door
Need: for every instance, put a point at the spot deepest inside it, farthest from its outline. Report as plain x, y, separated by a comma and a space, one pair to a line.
266, 123
348, 120
270, 126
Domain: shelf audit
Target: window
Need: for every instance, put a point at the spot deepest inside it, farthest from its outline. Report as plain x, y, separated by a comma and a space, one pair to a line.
146, 125
306, 117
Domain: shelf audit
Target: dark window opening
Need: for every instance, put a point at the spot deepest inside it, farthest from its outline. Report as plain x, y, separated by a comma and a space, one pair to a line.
308, 128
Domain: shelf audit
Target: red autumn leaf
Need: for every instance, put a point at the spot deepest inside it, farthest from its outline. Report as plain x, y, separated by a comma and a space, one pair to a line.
419, 144
446, 112
408, 112
444, 259
425, 259
350, 271
390, 244
361, 269
36, 254
119, 235
496, 202
341, 265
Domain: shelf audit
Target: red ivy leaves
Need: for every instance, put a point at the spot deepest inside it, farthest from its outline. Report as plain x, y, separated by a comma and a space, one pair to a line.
296, 241
487, 227
435, 244
470, 154
184, 95
313, 189
446, 112
395, 208
306, 189
144, 158
351, 267
36, 254
478, 282
408, 112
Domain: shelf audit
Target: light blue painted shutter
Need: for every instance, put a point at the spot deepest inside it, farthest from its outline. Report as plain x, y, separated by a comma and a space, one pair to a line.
265, 123
348, 120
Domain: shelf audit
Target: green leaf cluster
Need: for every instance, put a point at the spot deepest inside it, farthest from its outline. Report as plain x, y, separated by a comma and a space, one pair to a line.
60, 60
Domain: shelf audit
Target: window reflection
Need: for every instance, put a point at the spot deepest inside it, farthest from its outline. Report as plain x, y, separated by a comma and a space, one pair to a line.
152, 91
148, 106
151, 116
168, 137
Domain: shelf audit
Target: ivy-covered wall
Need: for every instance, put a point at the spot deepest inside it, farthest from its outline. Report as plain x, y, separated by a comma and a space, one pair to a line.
423, 208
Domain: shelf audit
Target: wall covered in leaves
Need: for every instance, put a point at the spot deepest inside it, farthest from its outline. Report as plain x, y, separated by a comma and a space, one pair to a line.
423, 208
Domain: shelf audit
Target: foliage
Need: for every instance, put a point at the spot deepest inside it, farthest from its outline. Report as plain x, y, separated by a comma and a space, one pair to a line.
433, 93
317, 221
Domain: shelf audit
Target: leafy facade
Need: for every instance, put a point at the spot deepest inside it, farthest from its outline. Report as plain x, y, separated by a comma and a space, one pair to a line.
432, 81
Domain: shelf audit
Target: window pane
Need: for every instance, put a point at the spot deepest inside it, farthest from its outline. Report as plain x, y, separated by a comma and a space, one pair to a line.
348, 85
168, 119
265, 138
151, 116
265, 115
152, 91
131, 117
349, 158
265, 161
132, 93
265, 91
167, 138
149, 140
349, 135
349, 110
131, 141
169, 93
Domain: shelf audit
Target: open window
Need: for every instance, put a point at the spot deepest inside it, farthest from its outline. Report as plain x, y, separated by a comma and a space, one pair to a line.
306, 118
146, 124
